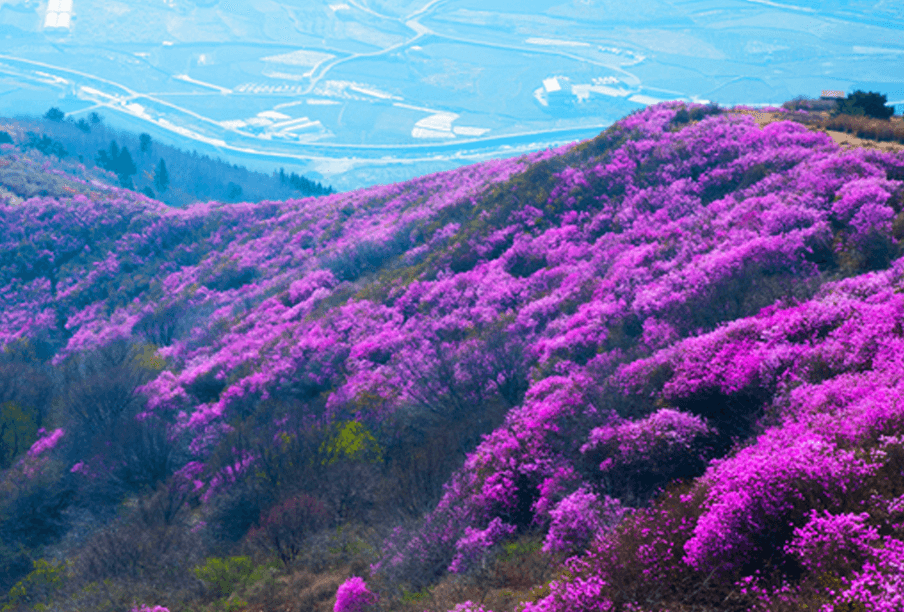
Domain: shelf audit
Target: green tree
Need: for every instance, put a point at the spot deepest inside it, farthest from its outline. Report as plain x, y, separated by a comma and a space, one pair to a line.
38, 586
161, 176
144, 142
871, 104
118, 161
233, 191
46, 145
351, 441
5, 138
54, 114
18, 431
125, 166
106, 159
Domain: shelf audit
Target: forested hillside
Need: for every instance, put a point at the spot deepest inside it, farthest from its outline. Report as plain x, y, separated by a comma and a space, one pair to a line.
87, 147
657, 370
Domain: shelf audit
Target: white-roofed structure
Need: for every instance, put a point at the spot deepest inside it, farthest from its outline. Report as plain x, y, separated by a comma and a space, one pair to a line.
59, 15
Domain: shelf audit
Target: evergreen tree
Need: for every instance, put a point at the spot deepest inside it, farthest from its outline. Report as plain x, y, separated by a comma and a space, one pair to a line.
107, 159
125, 166
233, 191
46, 145
161, 176
144, 141
54, 114
118, 161
871, 104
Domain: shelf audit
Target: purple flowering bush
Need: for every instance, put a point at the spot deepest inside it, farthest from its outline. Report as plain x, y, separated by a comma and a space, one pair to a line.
578, 518
469, 606
475, 543
638, 456
833, 541
354, 596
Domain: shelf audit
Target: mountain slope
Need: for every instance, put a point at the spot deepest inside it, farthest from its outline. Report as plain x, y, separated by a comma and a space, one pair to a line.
555, 338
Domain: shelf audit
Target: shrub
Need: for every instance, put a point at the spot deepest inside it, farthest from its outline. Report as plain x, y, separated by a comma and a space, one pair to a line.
151, 545
473, 545
224, 576
44, 579
836, 543
21, 179
143, 454
469, 606
33, 506
234, 512
578, 518
18, 431
285, 527
810, 105
637, 457
354, 596
351, 441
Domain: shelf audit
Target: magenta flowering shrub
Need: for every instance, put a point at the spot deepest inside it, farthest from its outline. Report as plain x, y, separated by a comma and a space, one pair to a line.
638, 456
354, 596
475, 543
879, 583
836, 541
578, 518
755, 495
469, 606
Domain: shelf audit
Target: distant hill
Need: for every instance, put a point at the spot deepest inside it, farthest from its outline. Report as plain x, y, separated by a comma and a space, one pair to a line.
656, 370
134, 161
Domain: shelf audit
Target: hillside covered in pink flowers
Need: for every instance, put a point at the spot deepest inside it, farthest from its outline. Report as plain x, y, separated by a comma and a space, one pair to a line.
667, 363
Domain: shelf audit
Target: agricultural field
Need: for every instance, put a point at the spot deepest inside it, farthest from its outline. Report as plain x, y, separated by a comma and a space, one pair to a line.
365, 92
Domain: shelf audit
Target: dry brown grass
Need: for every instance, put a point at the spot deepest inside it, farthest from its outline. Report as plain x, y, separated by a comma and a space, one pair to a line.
846, 130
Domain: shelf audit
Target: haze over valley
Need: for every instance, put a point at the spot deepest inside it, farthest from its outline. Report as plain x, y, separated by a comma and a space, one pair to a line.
362, 92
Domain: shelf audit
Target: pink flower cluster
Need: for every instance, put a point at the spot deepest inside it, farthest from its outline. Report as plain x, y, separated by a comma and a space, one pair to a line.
354, 596
825, 540
469, 606
475, 543
578, 518
46, 442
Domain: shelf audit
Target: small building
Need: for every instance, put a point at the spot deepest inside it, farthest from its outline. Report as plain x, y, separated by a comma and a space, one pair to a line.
831, 94
59, 15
